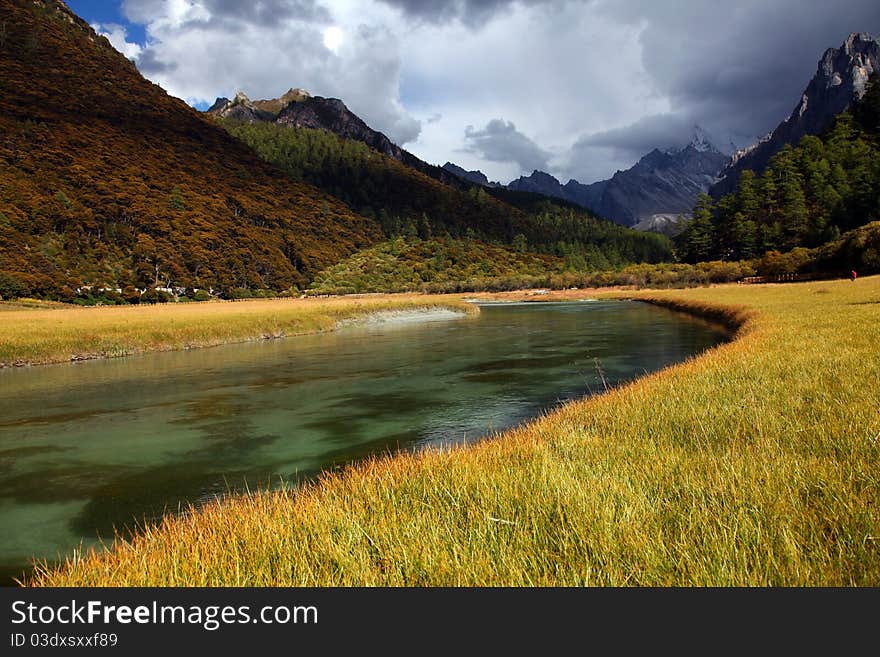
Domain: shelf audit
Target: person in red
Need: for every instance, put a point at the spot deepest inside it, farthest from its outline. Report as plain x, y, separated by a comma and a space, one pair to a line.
853, 276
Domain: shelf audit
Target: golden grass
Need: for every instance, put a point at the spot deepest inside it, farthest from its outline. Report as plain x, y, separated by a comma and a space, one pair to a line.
55, 334
757, 463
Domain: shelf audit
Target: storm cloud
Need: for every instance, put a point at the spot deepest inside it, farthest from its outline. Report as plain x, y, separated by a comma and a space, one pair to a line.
500, 141
628, 143
473, 13
230, 12
585, 87
268, 12
736, 69
203, 49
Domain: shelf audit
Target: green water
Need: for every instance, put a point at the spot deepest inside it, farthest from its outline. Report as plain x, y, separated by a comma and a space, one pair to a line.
89, 447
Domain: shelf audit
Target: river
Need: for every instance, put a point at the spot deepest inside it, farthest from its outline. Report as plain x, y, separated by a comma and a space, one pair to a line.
92, 446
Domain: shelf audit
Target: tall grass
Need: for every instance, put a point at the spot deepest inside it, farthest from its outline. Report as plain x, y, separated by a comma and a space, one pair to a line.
756, 463
57, 334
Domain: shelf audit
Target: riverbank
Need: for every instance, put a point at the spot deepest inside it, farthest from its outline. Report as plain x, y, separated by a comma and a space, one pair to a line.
752, 464
57, 334
402, 317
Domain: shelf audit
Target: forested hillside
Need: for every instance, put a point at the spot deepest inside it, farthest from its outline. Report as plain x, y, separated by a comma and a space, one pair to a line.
807, 196
435, 265
107, 180
407, 202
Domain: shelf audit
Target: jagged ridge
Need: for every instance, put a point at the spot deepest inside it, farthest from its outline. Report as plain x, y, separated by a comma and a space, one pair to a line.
299, 109
841, 77
662, 183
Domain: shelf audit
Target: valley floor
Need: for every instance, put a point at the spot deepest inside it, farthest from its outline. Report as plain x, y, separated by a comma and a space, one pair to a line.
756, 463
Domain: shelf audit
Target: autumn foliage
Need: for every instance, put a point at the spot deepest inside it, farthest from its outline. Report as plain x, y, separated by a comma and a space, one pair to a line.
106, 180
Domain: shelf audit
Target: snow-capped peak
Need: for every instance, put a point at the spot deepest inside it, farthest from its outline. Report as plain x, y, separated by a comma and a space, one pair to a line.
700, 140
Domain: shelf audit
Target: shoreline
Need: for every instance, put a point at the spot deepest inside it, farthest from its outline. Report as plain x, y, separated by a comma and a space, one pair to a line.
704, 473
401, 317
734, 320
69, 334
359, 308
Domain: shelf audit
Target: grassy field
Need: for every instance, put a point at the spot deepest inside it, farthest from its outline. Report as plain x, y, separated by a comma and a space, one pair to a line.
35, 333
757, 463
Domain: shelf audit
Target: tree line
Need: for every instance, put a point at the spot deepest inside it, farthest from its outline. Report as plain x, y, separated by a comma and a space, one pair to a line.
808, 196
408, 203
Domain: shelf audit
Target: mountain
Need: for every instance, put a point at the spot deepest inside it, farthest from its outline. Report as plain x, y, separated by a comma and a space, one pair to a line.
476, 177
299, 109
539, 182
411, 204
107, 180
678, 181
527, 191
670, 225
662, 184
807, 197
242, 108
841, 78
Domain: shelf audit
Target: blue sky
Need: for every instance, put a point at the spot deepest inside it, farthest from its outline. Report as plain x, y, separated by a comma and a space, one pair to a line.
108, 12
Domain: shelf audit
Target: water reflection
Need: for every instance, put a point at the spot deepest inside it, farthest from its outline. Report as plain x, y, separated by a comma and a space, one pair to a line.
89, 447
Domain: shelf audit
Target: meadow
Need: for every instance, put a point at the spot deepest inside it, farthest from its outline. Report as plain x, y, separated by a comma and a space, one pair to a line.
39, 333
755, 463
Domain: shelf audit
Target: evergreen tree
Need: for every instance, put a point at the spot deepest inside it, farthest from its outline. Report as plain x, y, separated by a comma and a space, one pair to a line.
697, 239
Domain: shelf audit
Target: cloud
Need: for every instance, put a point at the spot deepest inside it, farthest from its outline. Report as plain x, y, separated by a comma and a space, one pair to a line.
474, 13
201, 49
585, 86
738, 68
500, 141
636, 139
543, 68
231, 12
597, 155
150, 65
267, 12
596, 85
117, 36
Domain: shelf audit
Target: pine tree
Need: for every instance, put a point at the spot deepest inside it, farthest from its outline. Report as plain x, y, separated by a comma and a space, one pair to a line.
748, 200
696, 240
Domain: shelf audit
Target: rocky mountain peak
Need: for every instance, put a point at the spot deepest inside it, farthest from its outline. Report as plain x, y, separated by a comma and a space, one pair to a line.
476, 176
242, 108
297, 108
842, 74
841, 77
861, 49
295, 94
539, 182
662, 185
542, 177
700, 141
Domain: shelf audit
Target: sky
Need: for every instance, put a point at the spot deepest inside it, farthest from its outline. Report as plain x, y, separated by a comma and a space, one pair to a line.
578, 88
